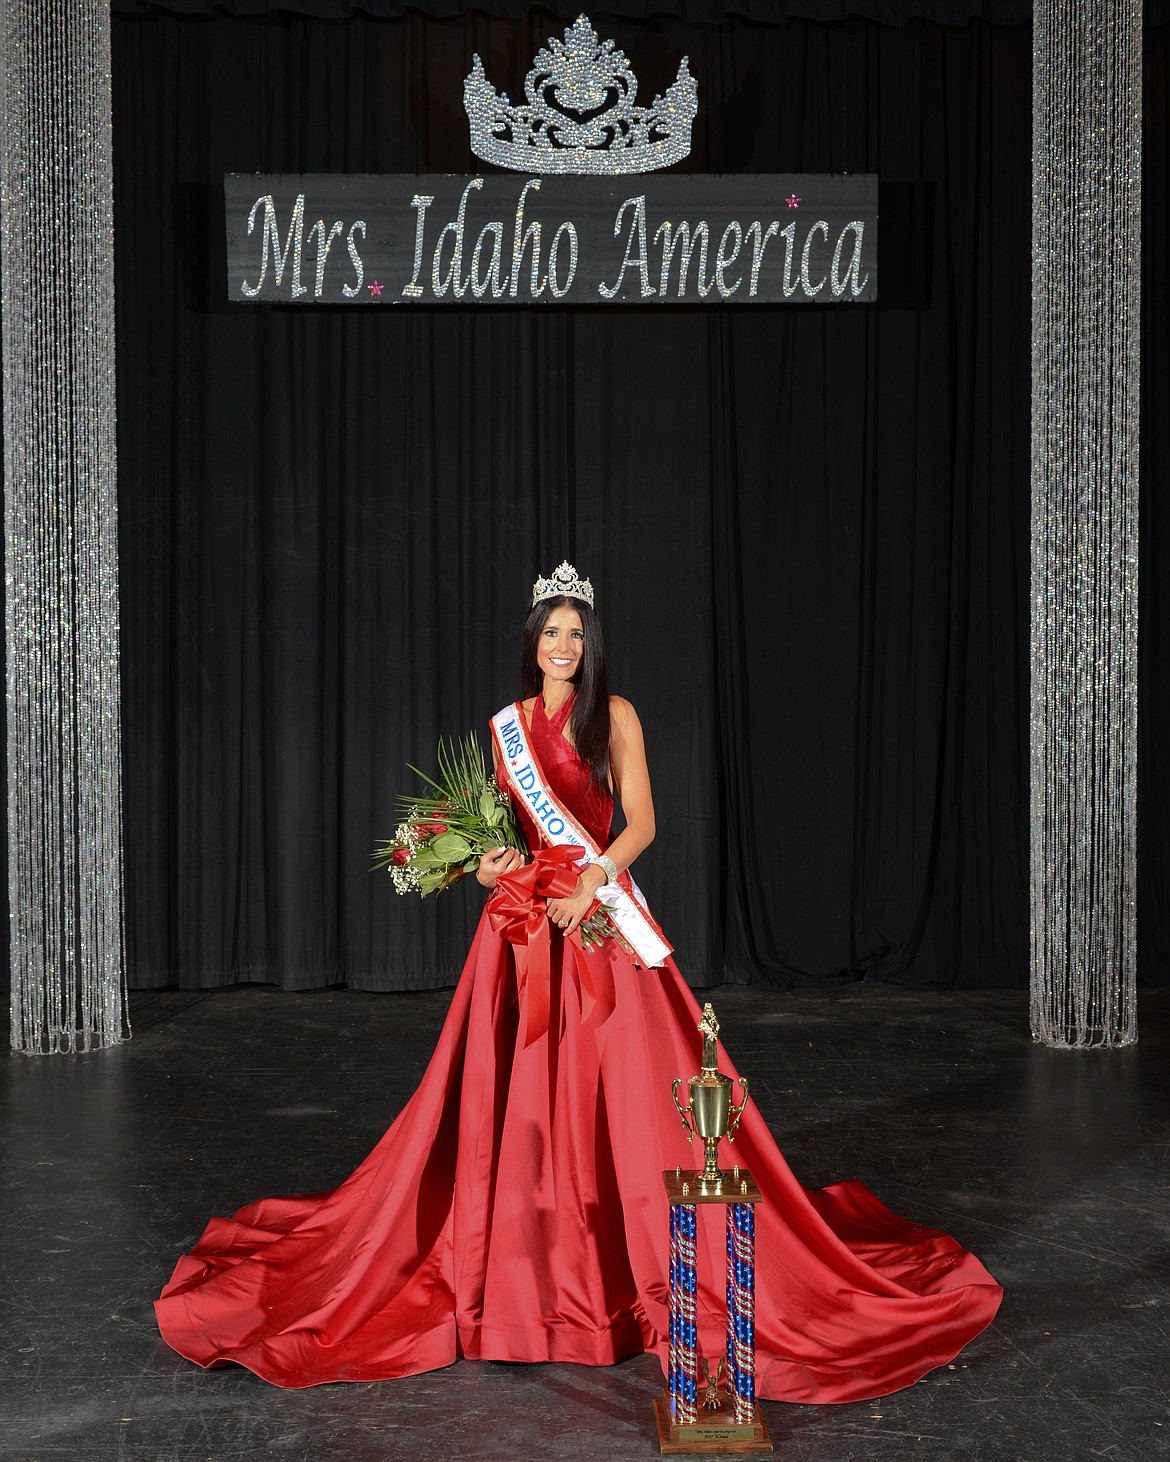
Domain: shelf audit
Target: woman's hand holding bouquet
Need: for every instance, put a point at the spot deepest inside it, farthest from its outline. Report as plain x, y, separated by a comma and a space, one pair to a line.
495, 863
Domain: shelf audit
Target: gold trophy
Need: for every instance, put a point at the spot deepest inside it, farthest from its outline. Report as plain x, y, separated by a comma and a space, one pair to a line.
709, 1113
720, 1416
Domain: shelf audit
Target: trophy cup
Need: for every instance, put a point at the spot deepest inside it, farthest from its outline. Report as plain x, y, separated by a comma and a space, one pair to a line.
720, 1424
709, 1114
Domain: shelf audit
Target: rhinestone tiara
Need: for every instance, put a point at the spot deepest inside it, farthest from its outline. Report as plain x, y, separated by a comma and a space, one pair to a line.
580, 115
564, 580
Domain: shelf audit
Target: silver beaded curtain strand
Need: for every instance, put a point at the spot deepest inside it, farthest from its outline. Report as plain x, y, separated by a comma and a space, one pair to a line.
61, 528
1086, 296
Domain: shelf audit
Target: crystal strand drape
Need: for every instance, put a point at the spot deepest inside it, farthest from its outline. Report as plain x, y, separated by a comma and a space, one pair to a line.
60, 525
1086, 232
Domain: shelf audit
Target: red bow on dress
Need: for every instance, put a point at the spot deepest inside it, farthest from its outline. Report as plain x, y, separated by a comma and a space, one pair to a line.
519, 914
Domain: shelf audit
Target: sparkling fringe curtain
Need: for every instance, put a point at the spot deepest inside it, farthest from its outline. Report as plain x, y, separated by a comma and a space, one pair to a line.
60, 525
1086, 233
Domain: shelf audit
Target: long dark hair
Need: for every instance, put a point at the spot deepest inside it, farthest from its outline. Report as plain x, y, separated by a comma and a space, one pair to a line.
589, 718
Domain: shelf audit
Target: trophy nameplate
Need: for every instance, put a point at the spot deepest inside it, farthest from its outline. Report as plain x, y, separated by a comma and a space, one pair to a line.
716, 1432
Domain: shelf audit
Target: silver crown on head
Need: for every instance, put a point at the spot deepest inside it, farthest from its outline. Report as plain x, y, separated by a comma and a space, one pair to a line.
563, 580
580, 115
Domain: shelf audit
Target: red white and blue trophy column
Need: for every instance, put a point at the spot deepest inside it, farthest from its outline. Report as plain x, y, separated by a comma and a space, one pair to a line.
718, 1413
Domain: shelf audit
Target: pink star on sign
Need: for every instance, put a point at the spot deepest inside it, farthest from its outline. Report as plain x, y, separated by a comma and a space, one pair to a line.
375, 288
793, 201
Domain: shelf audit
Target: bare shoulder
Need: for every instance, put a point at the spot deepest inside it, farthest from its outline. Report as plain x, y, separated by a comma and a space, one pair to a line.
527, 707
622, 714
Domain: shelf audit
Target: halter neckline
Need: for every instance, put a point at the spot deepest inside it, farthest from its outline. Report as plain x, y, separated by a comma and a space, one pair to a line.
560, 716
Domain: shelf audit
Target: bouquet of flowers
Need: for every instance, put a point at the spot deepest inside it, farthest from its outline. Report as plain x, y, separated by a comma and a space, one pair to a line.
446, 829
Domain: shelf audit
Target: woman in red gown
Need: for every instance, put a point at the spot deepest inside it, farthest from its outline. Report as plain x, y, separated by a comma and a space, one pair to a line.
514, 1211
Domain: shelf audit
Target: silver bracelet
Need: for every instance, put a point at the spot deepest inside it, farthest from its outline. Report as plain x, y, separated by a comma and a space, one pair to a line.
605, 862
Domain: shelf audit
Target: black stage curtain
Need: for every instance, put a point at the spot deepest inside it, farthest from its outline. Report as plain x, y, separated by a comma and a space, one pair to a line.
1154, 636
808, 527
693, 12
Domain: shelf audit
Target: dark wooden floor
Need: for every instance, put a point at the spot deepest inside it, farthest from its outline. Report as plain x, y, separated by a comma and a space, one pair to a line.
1054, 1167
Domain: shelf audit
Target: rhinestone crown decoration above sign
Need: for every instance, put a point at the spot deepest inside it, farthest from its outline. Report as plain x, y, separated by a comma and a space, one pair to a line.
580, 115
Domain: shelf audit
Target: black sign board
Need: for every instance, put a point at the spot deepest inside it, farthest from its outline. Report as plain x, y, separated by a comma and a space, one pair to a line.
512, 238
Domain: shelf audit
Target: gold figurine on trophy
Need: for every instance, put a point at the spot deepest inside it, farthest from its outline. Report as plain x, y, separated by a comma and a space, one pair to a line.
709, 1113
711, 1399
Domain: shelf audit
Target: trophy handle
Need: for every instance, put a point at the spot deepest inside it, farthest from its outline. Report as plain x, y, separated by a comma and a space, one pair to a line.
736, 1112
688, 1128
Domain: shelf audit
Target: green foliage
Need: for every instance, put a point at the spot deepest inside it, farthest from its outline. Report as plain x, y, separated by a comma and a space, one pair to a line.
445, 829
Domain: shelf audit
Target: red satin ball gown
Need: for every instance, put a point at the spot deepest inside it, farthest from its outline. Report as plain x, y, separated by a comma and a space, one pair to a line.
515, 1211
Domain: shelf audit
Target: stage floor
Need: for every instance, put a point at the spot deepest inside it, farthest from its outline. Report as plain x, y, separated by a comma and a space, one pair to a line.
1054, 1167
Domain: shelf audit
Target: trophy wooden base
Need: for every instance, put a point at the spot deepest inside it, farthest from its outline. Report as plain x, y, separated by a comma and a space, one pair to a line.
715, 1432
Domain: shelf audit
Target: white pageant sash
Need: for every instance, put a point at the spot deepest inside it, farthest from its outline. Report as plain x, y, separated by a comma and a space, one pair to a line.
558, 828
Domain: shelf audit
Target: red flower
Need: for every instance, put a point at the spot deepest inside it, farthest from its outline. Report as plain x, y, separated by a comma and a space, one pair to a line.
430, 830
401, 856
